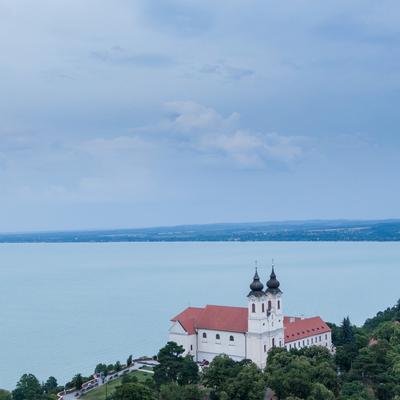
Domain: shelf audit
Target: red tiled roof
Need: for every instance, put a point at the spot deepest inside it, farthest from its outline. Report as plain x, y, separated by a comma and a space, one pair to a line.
302, 328
234, 319
188, 319
218, 318
222, 318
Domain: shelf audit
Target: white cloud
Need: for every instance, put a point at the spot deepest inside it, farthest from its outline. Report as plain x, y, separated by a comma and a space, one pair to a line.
196, 127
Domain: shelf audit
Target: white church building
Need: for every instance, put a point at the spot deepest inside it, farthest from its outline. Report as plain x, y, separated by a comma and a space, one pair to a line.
247, 332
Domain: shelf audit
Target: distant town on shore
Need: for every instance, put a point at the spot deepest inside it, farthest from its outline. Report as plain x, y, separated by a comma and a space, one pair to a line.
313, 230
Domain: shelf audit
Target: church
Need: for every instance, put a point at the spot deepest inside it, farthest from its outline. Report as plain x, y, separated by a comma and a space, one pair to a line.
247, 332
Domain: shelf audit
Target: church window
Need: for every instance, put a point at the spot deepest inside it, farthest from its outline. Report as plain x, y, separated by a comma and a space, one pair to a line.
204, 335
231, 338
269, 305
279, 304
263, 307
265, 348
191, 347
217, 336
273, 342
253, 308
326, 337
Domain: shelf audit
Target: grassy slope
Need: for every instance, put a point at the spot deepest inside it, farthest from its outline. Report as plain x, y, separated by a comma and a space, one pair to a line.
100, 393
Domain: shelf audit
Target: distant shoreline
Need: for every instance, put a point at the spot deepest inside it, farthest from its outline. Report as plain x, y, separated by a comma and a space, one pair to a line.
296, 231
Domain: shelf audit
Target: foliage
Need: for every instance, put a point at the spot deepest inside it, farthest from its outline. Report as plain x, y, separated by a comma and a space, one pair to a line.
77, 381
28, 388
5, 395
354, 391
51, 385
228, 379
174, 367
320, 392
132, 391
297, 373
173, 391
129, 361
390, 314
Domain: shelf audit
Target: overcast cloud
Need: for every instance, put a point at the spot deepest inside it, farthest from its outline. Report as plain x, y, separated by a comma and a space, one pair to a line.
123, 114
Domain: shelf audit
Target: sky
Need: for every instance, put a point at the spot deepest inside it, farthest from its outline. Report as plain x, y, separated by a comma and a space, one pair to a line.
117, 114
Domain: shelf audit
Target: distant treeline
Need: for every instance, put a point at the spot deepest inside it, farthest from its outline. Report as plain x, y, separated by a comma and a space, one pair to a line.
342, 230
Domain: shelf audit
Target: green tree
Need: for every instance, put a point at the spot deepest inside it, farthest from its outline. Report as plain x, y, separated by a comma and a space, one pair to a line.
132, 391
173, 391
51, 385
354, 391
77, 381
347, 333
297, 372
228, 379
221, 369
117, 366
28, 388
320, 392
101, 369
289, 374
5, 395
129, 361
249, 384
173, 367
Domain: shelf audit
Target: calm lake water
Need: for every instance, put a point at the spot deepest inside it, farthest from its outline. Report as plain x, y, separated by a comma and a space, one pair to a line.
66, 307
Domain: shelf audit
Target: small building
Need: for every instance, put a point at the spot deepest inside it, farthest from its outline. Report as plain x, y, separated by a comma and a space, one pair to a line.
247, 332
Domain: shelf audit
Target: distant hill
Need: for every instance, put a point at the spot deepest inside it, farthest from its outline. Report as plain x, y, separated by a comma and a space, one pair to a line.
337, 230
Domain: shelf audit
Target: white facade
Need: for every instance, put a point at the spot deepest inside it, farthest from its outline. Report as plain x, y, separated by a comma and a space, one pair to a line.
265, 328
323, 339
212, 343
178, 335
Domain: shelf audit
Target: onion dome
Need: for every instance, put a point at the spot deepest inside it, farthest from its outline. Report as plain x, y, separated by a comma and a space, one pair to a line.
273, 283
256, 287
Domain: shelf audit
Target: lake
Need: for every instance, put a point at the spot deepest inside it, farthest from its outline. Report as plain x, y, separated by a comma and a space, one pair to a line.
66, 307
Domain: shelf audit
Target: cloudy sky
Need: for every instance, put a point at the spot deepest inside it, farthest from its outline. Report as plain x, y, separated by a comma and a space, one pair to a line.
140, 113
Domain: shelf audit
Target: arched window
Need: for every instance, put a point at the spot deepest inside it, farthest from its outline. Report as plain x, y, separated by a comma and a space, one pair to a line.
279, 304
217, 337
253, 308
204, 335
231, 338
273, 342
263, 307
269, 305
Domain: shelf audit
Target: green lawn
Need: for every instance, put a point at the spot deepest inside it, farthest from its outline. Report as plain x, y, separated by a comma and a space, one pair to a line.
100, 392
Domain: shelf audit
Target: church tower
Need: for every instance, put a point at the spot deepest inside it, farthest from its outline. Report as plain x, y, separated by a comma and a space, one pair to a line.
257, 306
257, 329
265, 319
274, 311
